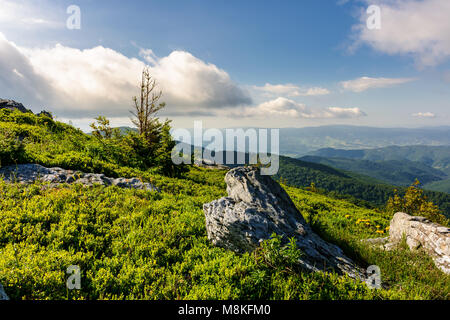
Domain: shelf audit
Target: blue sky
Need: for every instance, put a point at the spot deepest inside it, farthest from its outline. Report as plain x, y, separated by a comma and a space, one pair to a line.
233, 63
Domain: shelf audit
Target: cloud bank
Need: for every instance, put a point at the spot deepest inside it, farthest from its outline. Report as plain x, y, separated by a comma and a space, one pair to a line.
85, 83
420, 28
283, 107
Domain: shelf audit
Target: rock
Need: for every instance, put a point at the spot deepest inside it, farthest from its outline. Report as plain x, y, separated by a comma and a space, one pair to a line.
376, 241
210, 164
12, 105
3, 295
419, 232
29, 173
255, 208
45, 113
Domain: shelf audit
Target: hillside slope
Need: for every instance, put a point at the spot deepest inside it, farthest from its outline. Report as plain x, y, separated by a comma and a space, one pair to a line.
138, 244
437, 157
395, 172
300, 173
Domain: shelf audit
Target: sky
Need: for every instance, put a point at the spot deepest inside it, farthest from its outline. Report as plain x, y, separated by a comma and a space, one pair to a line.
234, 63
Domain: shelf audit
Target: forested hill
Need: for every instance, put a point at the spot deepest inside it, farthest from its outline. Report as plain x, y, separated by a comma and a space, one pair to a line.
437, 157
301, 174
395, 172
394, 164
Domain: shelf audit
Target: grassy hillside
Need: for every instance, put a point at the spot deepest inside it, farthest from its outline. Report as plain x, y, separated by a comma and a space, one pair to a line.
395, 172
136, 244
142, 245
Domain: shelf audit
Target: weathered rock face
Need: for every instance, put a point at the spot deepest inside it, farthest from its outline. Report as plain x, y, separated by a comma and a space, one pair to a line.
421, 233
11, 104
3, 295
28, 173
255, 208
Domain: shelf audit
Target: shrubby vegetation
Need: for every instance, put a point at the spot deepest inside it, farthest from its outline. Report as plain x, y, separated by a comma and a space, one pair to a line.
415, 202
137, 244
25, 137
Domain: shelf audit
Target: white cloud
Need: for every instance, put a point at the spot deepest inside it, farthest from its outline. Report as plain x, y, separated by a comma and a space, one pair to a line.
81, 83
365, 83
424, 115
410, 27
291, 90
190, 82
337, 112
283, 107
316, 91
20, 14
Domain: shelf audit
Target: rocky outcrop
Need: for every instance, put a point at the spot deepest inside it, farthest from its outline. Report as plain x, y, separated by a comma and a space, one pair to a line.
45, 113
255, 208
28, 173
12, 105
419, 232
3, 295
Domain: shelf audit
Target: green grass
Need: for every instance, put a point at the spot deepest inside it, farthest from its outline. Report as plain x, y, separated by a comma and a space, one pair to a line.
136, 244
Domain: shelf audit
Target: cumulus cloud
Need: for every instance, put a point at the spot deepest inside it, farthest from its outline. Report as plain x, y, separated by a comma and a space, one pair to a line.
424, 115
189, 81
283, 107
365, 83
291, 90
79, 83
420, 28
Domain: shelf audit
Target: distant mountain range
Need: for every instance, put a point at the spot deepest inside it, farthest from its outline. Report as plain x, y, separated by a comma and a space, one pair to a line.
398, 165
341, 183
392, 171
298, 142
